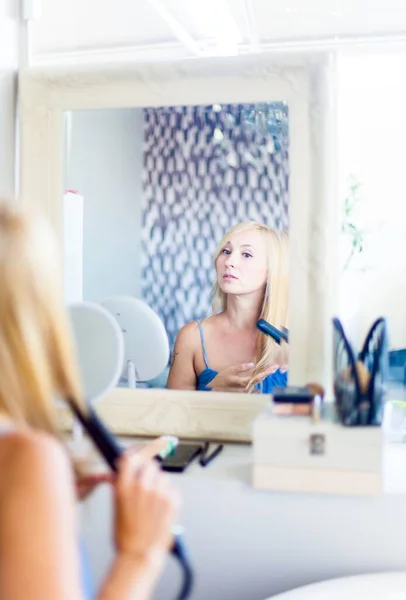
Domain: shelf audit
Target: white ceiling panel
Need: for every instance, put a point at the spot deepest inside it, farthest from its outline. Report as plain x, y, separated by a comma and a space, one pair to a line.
77, 24
169, 29
205, 19
300, 19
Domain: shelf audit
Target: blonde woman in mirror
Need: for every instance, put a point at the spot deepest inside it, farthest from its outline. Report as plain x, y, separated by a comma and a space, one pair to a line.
226, 352
40, 554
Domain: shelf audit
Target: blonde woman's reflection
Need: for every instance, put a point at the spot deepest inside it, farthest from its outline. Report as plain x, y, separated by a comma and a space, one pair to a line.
226, 352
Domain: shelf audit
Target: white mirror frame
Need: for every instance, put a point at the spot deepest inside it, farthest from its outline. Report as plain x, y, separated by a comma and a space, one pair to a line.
306, 83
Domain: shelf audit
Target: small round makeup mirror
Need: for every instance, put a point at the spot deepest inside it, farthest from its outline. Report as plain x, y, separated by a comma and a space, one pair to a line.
99, 348
146, 344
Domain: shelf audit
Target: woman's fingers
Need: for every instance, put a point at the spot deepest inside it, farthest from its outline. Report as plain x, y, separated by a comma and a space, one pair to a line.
130, 466
262, 374
149, 475
239, 382
149, 450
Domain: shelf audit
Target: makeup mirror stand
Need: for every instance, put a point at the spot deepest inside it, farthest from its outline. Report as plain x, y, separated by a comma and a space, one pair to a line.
131, 375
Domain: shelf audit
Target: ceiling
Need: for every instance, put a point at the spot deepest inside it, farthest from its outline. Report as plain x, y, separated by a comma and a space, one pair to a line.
72, 31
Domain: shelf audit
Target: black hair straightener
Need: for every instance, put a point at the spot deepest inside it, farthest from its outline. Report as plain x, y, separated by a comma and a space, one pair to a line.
270, 330
111, 452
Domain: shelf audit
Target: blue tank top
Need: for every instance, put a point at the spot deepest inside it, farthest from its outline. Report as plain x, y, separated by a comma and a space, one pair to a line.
276, 379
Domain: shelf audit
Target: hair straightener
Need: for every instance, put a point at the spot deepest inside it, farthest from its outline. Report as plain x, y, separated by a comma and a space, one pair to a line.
111, 452
270, 330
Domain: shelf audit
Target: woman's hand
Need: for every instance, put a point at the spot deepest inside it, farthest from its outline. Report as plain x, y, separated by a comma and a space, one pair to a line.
239, 378
146, 505
87, 483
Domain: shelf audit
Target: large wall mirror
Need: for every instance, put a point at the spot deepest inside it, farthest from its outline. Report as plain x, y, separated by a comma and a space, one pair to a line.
169, 158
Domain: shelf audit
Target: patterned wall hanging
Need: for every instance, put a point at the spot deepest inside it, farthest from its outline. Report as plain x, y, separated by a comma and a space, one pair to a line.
205, 169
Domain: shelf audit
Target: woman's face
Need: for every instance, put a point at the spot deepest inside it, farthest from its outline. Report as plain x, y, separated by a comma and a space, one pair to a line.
241, 265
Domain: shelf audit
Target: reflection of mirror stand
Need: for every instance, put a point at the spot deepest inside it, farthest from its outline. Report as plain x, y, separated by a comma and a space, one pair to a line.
145, 339
131, 374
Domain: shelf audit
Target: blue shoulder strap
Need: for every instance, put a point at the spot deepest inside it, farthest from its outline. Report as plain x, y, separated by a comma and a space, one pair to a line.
203, 344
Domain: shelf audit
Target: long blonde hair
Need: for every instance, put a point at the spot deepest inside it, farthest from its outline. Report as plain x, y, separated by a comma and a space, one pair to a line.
276, 290
36, 351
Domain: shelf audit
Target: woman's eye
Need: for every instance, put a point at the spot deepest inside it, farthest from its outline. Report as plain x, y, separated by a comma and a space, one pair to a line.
247, 255
226, 251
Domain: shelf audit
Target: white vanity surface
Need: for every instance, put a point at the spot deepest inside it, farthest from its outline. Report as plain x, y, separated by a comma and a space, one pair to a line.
250, 545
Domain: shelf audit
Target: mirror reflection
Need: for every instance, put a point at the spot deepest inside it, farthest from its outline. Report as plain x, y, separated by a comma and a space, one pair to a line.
176, 219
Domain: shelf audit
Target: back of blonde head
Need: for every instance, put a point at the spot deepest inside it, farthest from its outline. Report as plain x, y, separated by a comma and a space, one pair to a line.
276, 291
36, 353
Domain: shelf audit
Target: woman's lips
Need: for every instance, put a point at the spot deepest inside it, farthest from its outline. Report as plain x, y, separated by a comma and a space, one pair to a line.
228, 276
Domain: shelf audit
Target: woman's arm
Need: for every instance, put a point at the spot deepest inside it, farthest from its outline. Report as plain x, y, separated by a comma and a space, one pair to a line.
182, 375
129, 579
38, 529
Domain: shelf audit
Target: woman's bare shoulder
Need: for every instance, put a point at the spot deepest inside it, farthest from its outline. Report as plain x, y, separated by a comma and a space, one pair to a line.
187, 334
31, 456
189, 328
29, 442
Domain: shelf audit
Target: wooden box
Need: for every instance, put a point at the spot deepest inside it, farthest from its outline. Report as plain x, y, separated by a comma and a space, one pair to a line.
293, 453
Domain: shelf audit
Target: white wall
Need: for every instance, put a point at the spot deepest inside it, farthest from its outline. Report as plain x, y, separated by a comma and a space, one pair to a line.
373, 134
8, 69
105, 166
